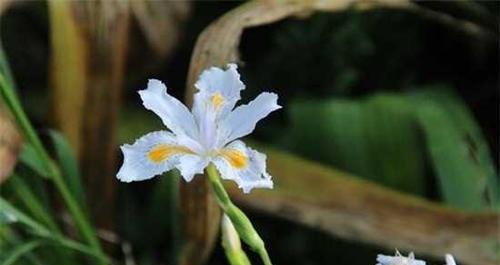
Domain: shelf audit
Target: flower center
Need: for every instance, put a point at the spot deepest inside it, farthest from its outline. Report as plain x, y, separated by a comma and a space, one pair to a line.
217, 100
236, 158
161, 152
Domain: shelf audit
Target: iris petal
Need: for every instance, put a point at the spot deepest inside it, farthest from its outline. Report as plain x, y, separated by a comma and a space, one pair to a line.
191, 165
175, 115
243, 165
242, 120
219, 86
151, 155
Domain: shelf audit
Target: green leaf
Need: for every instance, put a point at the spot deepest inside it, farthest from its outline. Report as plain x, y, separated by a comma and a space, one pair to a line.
375, 138
32, 203
5, 69
8, 209
69, 167
7, 218
466, 124
40, 230
30, 158
459, 154
20, 250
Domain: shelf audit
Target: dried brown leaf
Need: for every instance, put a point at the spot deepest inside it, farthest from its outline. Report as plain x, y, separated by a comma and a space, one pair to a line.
10, 144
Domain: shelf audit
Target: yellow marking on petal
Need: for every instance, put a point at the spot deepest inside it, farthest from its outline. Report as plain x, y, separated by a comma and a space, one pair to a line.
236, 158
217, 100
162, 152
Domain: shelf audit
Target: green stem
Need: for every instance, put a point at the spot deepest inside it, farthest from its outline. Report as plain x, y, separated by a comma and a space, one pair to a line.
231, 243
14, 105
240, 221
80, 219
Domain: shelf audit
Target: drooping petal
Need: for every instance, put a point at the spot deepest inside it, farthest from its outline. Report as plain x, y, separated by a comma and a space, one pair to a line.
175, 115
243, 165
191, 165
151, 155
242, 120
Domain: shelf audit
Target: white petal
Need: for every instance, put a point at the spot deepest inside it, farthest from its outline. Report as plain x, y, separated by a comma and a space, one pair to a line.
225, 82
242, 120
450, 260
398, 260
191, 165
137, 163
218, 92
249, 174
175, 115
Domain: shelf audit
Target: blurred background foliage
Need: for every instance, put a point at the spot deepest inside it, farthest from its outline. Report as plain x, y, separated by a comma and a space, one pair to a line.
388, 96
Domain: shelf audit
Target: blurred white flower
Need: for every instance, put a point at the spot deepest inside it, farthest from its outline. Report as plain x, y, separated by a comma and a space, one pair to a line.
206, 134
399, 259
450, 260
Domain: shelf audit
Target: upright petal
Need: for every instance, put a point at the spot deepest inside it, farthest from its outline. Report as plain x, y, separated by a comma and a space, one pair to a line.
242, 120
218, 92
151, 155
243, 165
218, 89
175, 115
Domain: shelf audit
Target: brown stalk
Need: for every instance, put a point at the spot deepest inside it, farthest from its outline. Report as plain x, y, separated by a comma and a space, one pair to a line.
344, 206
89, 44
161, 23
217, 46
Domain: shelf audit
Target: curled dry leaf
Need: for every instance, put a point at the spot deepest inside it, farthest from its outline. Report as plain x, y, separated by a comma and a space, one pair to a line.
344, 206
10, 144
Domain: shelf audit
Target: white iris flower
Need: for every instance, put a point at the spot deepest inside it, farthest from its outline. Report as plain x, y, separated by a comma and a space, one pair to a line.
208, 133
399, 259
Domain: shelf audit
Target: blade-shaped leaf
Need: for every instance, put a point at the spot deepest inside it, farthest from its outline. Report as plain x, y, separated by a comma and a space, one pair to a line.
20, 250
463, 179
458, 152
69, 166
30, 158
375, 138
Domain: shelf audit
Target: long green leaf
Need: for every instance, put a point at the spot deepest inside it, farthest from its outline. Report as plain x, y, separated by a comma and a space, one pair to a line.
5, 69
40, 230
38, 211
458, 152
32, 203
80, 218
472, 137
9, 239
20, 250
12, 101
8, 209
30, 158
69, 166
375, 138
394, 146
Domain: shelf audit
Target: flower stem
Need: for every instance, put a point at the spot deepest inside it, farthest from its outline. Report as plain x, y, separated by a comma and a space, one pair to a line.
240, 221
